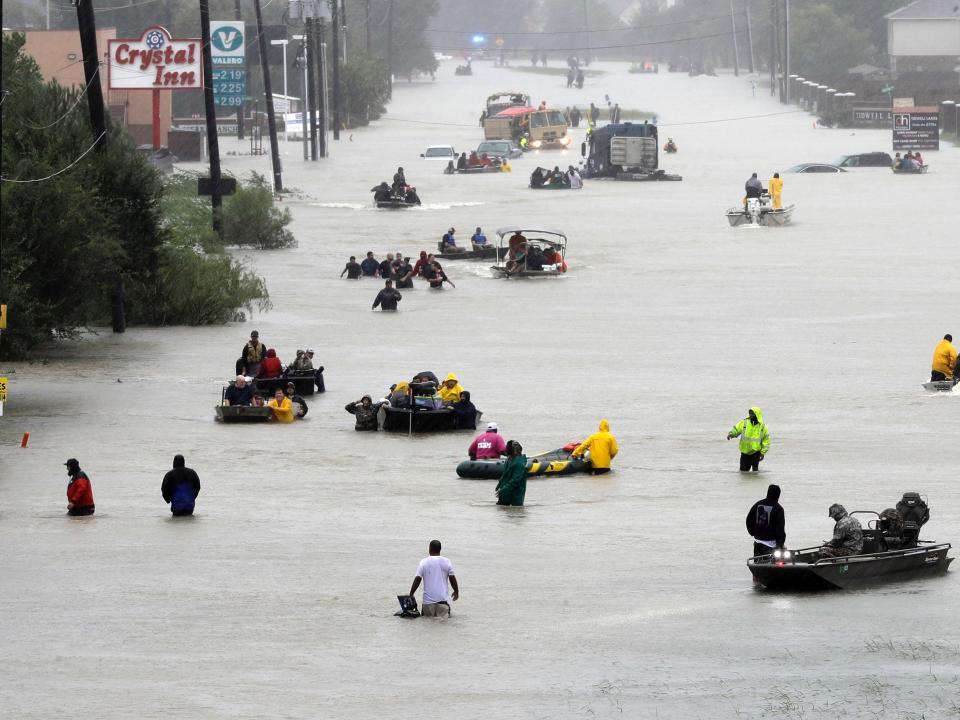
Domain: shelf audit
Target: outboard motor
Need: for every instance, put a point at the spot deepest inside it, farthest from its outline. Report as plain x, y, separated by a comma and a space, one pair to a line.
915, 514
753, 210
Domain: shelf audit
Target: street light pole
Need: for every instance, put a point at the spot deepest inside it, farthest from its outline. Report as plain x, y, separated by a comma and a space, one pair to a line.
286, 97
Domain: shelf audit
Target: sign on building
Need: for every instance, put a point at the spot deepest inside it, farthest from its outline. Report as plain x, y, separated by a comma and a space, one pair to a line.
155, 61
916, 128
228, 53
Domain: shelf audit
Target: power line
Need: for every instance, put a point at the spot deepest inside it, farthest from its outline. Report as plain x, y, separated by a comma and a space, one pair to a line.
69, 110
600, 47
58, 172
621, 28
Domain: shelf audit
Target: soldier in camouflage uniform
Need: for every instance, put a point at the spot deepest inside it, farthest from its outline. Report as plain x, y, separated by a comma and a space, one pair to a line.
847, 534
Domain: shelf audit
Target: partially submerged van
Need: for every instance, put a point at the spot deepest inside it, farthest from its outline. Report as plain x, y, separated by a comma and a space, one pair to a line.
546, 128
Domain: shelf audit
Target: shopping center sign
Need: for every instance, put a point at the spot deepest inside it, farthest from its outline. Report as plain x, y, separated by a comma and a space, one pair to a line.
155, 61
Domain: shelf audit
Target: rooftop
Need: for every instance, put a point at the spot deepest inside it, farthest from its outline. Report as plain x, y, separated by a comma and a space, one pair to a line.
928, 10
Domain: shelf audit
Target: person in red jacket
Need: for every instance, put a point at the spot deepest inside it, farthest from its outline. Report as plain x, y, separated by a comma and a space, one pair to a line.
271, 366
79, 492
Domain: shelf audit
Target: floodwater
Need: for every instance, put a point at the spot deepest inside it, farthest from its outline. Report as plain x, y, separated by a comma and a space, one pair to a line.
625, 596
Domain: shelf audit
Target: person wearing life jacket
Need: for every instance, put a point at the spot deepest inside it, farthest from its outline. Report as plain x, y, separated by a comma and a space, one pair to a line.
79, 491
754, 440
251, 356
180, 488
282, 407
489, 445
603, 449
775, 188
474, 159
944, 366
271, 367
450, 389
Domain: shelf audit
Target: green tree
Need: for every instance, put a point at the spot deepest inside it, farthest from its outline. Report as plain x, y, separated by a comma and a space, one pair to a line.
824, 44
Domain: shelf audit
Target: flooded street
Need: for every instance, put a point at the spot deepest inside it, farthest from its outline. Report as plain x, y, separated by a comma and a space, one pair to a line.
623, 596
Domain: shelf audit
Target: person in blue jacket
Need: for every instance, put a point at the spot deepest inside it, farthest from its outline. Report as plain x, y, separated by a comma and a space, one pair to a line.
180, 488
369, 267
479, 240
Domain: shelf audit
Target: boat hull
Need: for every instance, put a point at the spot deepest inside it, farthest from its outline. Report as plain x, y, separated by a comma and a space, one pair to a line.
304, 382
809, 573
478, 170
556, 462
552, 186
919, 171
394, 204
500, 271
655, 176
487, 253
940, 385
422, 421
242, 413
767, 218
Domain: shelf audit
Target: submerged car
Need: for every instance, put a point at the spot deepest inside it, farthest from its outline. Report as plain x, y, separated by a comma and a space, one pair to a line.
815, 168
870, 159
502, 149
439, 152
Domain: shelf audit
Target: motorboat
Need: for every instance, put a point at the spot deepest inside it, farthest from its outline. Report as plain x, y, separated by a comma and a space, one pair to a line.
539, 253
892, 551
941, 385
463, 70
303, 380
421, 420
487, 252
555, 462
394, 204
760, 211
919, 170
478, 169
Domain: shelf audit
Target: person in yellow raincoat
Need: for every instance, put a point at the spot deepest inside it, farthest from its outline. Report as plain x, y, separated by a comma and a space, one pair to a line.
775, 188
944, 360
450, 389
282, 407
754, 440
603, 449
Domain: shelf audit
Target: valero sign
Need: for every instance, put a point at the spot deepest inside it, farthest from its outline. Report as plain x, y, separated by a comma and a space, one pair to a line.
155, 61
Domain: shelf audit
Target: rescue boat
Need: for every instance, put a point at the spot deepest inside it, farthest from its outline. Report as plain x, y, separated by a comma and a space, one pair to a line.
555, 462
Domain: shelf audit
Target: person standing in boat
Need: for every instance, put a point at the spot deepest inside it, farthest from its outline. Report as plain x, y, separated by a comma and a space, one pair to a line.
79, 490
775, 186
753, 187
180, 488
944, 360
512, 487
603, 449
251, 356
489, 445
387, 298
847, 534
754, 440
766, 523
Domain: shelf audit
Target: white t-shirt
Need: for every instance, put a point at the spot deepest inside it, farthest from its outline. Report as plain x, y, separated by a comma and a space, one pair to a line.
434, 570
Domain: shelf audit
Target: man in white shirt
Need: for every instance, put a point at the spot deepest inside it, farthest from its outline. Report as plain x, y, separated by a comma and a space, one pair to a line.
435, 571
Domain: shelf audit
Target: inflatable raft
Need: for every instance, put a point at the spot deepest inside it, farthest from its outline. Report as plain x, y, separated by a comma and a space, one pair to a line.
555, 462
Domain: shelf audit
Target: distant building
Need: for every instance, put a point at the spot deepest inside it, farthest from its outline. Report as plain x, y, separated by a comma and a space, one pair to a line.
925, 36
60, 58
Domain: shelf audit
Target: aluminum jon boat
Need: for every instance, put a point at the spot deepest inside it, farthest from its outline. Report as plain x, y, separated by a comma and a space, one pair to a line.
805, 570
941, 385
758, 212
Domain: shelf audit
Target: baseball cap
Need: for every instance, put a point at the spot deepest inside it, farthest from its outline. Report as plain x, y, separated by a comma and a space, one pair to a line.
491, 426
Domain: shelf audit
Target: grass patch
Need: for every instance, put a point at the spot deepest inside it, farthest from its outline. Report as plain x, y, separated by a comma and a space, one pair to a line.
561, 71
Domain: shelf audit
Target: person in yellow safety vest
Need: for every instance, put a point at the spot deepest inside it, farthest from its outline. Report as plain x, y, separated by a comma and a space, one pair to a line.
754, 440
603, 448
524, 143
944, 360
775, 188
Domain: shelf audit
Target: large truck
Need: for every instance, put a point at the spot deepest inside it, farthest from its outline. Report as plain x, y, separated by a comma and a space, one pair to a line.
624, 151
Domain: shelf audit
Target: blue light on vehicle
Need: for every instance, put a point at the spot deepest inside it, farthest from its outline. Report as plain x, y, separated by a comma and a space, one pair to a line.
478, 39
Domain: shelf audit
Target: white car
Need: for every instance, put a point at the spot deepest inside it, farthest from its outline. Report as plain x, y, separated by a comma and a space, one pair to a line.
440, 152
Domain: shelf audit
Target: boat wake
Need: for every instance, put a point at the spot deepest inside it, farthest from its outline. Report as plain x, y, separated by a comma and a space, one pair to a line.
343, 206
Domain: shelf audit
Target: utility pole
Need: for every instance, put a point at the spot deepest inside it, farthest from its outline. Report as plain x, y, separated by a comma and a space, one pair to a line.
786, 51
300, 63
237, 15
335, 29
213, 146
736, 50
390, 46
753, 67
774, 32
268, 91
324, 122
586, 29
366, 26
310, 34
91, 72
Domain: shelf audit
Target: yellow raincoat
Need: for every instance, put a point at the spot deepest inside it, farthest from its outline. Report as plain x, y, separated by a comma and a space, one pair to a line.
754, 438
945, 358
450, 395
602, 446
282, 412
775, 188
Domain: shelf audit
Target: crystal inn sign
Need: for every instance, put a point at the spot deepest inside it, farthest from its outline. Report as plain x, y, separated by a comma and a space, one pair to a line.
155, 61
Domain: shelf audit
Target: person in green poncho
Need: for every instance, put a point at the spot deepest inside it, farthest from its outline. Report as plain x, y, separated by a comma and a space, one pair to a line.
513, 480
